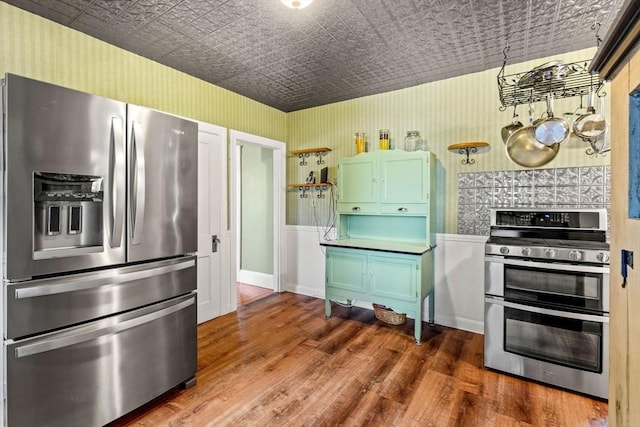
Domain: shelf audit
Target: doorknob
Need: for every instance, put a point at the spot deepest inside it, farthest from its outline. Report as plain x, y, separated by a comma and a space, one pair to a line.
214, 243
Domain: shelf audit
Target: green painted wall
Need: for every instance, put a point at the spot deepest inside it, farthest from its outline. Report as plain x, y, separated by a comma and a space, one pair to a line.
256, 247
35, 47
445, 112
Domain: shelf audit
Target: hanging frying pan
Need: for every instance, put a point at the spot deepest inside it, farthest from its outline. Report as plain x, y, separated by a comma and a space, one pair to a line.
523, 149
552, 130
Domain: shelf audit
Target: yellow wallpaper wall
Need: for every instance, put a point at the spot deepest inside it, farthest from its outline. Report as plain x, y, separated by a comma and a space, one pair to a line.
445, 112
41, 49
459, 109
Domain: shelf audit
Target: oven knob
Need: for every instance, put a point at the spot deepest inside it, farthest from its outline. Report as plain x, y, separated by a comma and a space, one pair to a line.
550, 253
603, 257
575, 255
526, 251
504, 250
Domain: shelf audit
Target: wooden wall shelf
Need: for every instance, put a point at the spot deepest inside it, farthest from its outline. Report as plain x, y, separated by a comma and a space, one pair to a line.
320, 152
304, 188
467, 148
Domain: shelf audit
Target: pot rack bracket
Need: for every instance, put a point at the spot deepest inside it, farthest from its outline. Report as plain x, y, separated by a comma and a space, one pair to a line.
577, 82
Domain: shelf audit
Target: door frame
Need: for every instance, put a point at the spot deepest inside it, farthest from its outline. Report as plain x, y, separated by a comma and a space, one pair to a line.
237, 139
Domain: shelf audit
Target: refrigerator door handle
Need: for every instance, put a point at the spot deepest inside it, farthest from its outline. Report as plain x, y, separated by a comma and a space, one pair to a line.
116, 188
138, 177
111, 279
93, 333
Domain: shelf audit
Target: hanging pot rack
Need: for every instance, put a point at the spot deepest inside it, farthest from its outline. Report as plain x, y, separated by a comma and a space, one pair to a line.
535, 85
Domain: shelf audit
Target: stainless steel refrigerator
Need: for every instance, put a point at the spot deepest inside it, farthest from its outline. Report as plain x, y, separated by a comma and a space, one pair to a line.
98, 245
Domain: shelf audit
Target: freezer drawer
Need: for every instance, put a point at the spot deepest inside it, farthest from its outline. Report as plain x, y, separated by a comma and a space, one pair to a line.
91, 374
38, 306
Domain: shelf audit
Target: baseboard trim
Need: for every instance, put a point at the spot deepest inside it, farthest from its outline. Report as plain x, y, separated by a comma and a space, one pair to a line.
254, 278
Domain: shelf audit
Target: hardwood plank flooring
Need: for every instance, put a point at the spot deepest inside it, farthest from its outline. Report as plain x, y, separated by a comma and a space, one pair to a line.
247, 293
278, 362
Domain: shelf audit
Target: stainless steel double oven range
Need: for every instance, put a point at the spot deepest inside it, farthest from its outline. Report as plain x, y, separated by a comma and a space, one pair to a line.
547, 297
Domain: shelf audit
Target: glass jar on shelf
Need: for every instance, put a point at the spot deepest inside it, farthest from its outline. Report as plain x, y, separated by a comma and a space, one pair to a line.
412, 141
384, 139
361, 142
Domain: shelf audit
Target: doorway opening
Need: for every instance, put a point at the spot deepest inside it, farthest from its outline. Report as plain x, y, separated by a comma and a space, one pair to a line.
257, 203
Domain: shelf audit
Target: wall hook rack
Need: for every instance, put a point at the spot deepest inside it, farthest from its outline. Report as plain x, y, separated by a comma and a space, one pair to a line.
467, 148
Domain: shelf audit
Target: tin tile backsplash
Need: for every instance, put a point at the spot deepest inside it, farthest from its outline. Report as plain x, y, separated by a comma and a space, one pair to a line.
585, 187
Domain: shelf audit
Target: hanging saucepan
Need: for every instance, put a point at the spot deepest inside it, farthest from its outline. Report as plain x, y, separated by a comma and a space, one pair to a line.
552, 130
590, 126
507, 130
523, 149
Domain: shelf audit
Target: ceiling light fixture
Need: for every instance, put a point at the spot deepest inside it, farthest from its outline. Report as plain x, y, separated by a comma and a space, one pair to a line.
296, 4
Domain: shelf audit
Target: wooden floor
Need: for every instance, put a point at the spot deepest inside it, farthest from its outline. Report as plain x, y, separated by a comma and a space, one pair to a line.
278, 362
247, 293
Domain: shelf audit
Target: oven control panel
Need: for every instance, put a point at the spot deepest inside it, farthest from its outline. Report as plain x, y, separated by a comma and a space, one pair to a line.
589, 219
547, 253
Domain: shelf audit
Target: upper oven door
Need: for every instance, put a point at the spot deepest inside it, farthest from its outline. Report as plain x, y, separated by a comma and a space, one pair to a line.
570, 286
64, 179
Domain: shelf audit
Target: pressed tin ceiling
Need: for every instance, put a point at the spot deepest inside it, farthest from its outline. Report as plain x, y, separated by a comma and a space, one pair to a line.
333, 50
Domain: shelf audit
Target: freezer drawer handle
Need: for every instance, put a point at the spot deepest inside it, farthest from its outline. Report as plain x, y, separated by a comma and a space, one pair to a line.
53, 344
37, 291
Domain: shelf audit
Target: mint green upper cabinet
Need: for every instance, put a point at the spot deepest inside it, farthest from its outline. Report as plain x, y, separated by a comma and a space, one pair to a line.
361, 193
385, 182
404, 186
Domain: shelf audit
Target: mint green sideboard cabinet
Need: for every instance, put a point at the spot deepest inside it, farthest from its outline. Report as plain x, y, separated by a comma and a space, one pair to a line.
385, 233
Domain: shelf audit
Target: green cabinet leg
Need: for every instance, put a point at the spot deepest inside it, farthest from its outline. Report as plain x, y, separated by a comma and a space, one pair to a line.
417, 328
327, 308
432, 307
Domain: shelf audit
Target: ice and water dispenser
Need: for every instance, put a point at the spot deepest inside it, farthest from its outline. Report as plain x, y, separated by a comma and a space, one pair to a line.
67, 214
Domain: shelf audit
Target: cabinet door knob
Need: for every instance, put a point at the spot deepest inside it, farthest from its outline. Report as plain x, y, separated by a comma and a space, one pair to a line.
355, 208
403, 209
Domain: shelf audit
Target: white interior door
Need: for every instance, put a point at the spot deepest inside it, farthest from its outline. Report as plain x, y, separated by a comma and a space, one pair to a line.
214, 285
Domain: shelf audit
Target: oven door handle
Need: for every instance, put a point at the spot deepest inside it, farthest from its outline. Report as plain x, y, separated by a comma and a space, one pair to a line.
547, 311
548, 265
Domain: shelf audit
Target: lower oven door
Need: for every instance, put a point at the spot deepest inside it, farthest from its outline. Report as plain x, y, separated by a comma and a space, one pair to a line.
91, 374
561, 348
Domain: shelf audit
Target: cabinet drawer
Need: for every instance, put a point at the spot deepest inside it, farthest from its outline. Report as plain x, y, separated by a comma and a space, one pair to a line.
356, 208
404, 208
